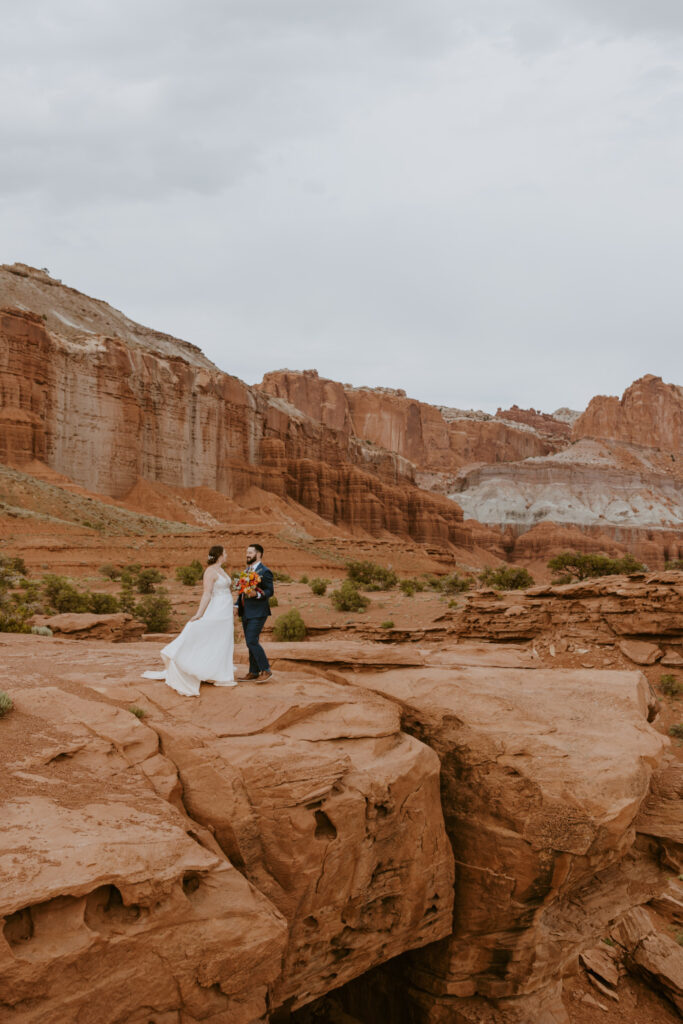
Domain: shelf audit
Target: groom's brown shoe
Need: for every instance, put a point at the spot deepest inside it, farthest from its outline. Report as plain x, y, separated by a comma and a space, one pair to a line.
249, 675
264, 676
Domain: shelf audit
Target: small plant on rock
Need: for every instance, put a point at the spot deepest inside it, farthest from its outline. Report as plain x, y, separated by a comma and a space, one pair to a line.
389, 624
303, 579
454, 584
137, 711
273, 602
581, 566
282, 577
677, 731
407, 587
675, 563
6, 704
290, 627
669, 685
348, 598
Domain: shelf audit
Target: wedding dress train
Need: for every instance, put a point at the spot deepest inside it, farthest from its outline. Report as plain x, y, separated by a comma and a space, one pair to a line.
204, 649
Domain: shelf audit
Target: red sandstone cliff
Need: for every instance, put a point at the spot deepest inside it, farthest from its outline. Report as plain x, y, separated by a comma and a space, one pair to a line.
650, 413
109, 410
437, 440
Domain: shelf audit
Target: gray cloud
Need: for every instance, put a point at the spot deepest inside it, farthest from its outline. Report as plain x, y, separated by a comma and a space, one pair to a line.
477, 201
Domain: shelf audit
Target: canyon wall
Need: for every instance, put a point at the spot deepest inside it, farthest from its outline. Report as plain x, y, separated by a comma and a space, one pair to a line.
437, 440
109, 411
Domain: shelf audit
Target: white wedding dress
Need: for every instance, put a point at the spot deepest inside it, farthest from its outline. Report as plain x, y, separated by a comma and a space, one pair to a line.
203, 651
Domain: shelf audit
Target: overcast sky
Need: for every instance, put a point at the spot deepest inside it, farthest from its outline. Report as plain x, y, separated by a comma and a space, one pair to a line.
479, 201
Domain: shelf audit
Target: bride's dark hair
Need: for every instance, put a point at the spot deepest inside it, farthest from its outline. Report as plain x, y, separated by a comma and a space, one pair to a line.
214, 554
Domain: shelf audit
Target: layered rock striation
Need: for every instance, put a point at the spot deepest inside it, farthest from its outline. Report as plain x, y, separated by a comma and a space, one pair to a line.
107, 410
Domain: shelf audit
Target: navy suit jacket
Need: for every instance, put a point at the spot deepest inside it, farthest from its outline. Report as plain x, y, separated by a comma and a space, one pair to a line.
258, 607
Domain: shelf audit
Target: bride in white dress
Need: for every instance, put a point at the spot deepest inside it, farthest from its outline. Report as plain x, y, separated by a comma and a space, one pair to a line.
203, 651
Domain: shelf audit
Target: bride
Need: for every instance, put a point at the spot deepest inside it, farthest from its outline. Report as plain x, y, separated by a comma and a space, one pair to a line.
203, 651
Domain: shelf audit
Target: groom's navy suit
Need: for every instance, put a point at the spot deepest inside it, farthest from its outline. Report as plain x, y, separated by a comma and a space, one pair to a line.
253, 612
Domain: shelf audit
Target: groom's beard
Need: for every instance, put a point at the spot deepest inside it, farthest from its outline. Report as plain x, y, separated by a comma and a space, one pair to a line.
250, 561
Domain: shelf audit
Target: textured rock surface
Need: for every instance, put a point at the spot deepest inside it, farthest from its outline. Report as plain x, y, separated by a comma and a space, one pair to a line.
116, 627
605, 611
652, 953
438, 441
650, 413
108, 410
113, 901
330, 814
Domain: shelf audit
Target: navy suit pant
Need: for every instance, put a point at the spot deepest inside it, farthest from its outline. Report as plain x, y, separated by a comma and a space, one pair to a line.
258, 662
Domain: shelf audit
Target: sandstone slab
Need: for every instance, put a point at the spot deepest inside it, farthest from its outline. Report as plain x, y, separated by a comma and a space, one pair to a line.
639, 652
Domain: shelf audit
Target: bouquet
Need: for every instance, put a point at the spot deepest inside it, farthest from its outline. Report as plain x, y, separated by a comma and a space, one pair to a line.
248, 584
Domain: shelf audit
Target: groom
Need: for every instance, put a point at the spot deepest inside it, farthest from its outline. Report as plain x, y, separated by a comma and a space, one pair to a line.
253, 612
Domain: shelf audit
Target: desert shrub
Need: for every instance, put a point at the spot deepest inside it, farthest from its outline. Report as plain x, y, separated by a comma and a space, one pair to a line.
282, 577
137, 711
675, 563
452, 603
190, 575
582, 567
677, 731
11, 569
371, 576
63, 596
103, 604
562, 580
319, 586
506, 577
110, 571
669, 685
453, 584
155, 611
303, 579
431, 581
389, 624
348, 598
127, 597
407, 587
273, 602
41, 631
145, 580
6, 703
290, 626
14, 618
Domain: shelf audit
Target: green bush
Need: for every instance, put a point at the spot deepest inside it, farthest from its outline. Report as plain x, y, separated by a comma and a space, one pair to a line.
103, 604
282, 577
137, 711
677, 731
273, 602
582, 567
454, 584
62, 596
14, 618
371, 576
389, 624
290, 626
146, 579
110, 571
6, 703
11, 568
348, 598
303, 579
319, 586
676, 563
127, 597
190, 575
407, 587
155, 611
669, 685
506, 578
562, 580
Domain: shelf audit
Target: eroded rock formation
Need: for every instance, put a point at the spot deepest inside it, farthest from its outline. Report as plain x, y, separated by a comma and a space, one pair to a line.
231, 858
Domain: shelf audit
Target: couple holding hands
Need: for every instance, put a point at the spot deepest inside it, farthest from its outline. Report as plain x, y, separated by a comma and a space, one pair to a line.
203, 652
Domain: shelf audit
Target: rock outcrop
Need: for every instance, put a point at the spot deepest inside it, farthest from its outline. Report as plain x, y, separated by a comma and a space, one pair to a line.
286, 840
107, 410
257, 848
650, 414
436, 440
605, 611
